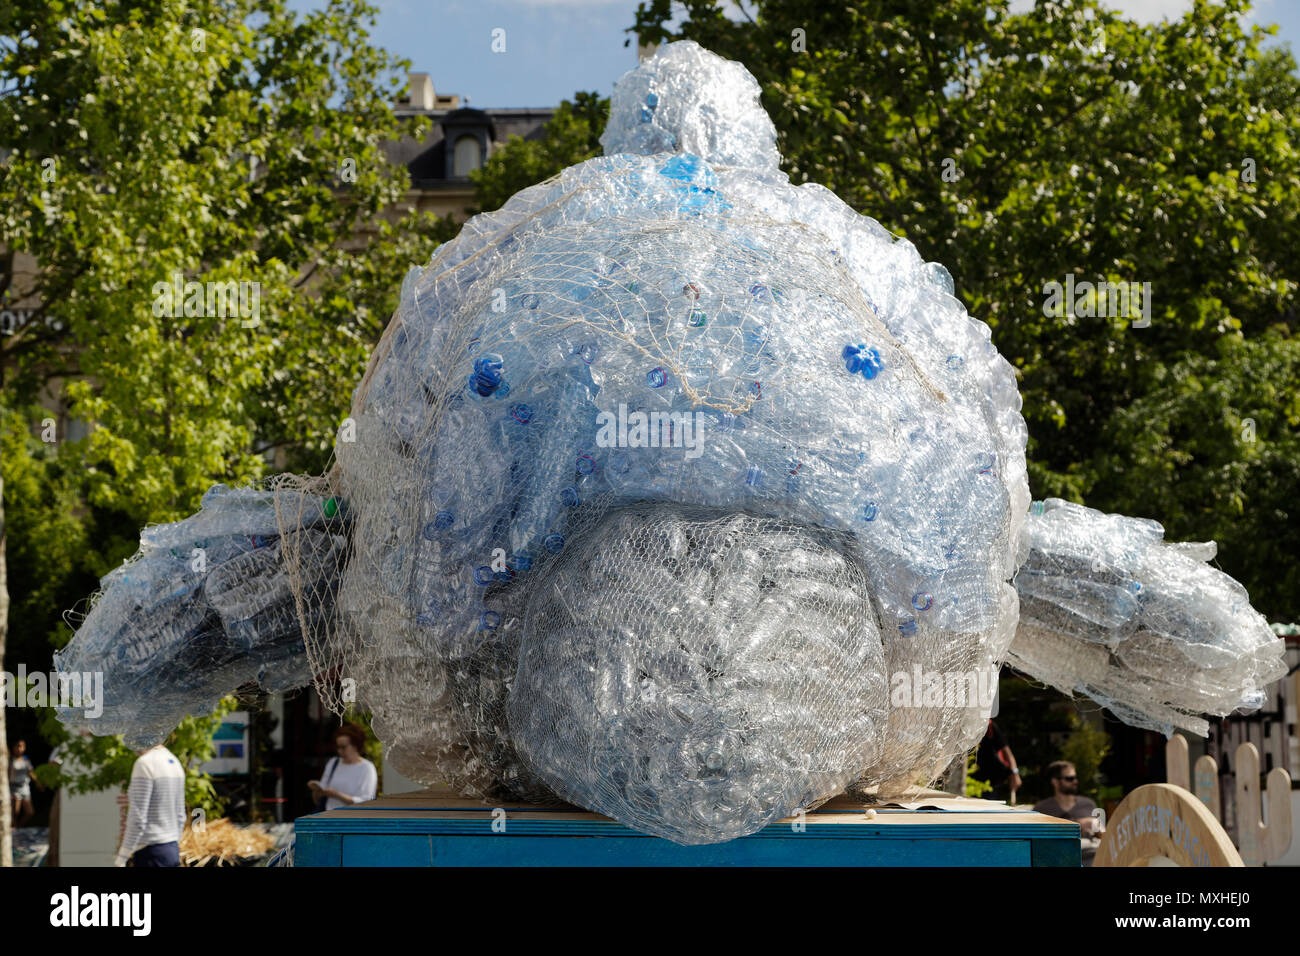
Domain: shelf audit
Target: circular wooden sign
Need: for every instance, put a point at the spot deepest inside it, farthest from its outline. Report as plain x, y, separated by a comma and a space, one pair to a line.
1160, 824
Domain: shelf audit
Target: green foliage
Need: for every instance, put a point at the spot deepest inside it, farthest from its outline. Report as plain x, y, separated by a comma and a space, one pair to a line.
974, 787
1019, 148
1086, 747
571, 136
221, 141
49, 556
312, 372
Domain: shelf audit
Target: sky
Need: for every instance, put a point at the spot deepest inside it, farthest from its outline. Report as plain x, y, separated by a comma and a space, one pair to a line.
556, 47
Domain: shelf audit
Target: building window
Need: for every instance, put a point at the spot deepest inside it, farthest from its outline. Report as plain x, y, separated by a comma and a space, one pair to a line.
468, 155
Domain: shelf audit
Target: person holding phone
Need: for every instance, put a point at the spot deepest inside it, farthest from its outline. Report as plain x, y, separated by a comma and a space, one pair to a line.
349, 777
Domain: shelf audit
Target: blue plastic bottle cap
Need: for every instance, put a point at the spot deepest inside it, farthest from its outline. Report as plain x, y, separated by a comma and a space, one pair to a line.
489, 620
532, 300
486, 377
646, 114
869, 511
554, 543
586, 464
652, 100
759, 292
922, 601
483, 575
954, 361
656, 378
871, 364
522, 413
908, 626
569, 497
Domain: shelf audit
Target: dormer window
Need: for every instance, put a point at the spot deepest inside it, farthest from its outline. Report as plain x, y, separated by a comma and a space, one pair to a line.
467, 134
467, 156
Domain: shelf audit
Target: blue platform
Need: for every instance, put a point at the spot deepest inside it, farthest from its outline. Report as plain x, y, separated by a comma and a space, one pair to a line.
432, 828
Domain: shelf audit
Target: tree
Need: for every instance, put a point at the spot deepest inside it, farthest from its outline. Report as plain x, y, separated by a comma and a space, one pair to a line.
1021, 149
230, 149
6, 802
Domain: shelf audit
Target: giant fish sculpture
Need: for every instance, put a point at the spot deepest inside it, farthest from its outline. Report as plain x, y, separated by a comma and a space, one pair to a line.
663, 482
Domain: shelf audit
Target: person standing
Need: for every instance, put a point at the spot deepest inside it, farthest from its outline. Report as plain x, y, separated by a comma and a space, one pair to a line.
20, 784
155, 817
349, 777
995, 763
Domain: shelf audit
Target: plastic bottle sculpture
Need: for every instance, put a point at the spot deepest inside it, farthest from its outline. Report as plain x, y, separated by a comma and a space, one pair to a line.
675, 491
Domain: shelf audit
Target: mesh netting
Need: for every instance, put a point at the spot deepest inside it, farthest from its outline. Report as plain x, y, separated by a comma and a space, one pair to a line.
1144, 626
656, 476
204, 607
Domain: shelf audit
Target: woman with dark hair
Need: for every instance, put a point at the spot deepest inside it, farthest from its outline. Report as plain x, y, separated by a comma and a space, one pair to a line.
20, 783
349, 777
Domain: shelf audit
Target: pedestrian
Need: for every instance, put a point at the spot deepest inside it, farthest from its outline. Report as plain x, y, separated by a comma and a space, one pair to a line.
1066, 803
349, 777
20, 784
155, 818
995, 763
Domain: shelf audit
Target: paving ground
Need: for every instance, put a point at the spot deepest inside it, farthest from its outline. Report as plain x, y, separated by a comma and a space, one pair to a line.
32, 843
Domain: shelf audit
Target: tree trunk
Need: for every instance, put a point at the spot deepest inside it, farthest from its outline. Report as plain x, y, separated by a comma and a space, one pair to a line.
6, 832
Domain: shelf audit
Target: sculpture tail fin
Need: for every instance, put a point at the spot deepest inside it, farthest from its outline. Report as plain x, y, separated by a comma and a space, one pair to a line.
1143, 626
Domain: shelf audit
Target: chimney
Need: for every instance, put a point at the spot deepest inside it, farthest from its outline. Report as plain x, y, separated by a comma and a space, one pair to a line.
419, 93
